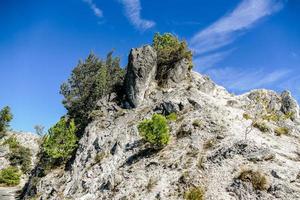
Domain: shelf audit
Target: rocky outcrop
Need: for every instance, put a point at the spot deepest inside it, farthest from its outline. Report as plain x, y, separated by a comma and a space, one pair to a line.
289, 105
208, 148
144, 73
141, 71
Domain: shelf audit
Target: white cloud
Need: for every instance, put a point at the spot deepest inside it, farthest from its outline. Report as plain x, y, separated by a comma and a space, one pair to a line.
241, 80
207, 61
97, 11
225, 30
133, 12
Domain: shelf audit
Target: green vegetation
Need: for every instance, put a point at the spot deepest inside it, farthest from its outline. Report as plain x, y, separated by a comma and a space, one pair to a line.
18, 155
10, 176
262, 126
195, 193
5, 118
172, 117
155, 130
281, 131
61, 140
170, 50
12, 142
90, 81
258, 180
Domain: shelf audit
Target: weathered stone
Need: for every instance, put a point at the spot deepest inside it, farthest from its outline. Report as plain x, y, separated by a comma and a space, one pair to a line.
141, 70
289, 105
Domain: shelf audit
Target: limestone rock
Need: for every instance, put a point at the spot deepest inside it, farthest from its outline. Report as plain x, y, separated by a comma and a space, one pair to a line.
289, 104
141, 71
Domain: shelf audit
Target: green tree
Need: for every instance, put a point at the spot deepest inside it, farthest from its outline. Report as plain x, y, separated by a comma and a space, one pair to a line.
5, 117
90, 81
61, 140
10, 176
170, 49
155, 130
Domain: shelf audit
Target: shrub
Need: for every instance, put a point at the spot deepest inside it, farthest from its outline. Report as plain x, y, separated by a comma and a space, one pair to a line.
90, 81
172, 117
21, 156
258, 180
262, 126
10, 176
61, 140
155, 130
281, 131
170, 50
5, 118
12, 142
195, 193
18, 155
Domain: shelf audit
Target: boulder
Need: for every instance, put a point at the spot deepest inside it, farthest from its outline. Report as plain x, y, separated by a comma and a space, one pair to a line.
289, 105
141, 71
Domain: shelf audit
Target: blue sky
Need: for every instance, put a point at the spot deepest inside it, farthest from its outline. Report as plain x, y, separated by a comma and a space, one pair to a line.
241, 44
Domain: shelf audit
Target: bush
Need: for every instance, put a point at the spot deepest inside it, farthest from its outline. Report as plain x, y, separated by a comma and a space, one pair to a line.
258, 180
170, 50
90, 81
10, 176
12, 142
155, 130
281, 131
262, 126
196, 193
5, 118
61, 140
21, 156
18, 155
172, 117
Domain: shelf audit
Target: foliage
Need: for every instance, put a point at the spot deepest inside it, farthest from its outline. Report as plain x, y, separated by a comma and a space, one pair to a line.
39, 130
170, 50
18, 155
155, 130
281, 131
10, 176
195, 193
61, 140
172, 117
262, 126
258, 180
5, 118
12, 142
90, 81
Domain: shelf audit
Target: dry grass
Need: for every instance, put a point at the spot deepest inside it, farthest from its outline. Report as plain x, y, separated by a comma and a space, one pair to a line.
279, 131
258, 179
195, 193
262, 126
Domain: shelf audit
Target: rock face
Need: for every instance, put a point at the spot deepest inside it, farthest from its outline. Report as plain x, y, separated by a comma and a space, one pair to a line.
208, 148
289, 104
141, 71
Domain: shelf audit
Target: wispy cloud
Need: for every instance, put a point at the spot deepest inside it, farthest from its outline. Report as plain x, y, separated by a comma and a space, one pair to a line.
241, 80
207, 61
97, 11
228, 28
133, 12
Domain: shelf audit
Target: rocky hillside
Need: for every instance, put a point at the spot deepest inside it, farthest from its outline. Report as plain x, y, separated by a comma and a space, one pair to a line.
222, 147
25, 141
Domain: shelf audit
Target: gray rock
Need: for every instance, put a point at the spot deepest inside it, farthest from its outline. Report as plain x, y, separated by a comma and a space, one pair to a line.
289, 105
141, 71
178, 73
